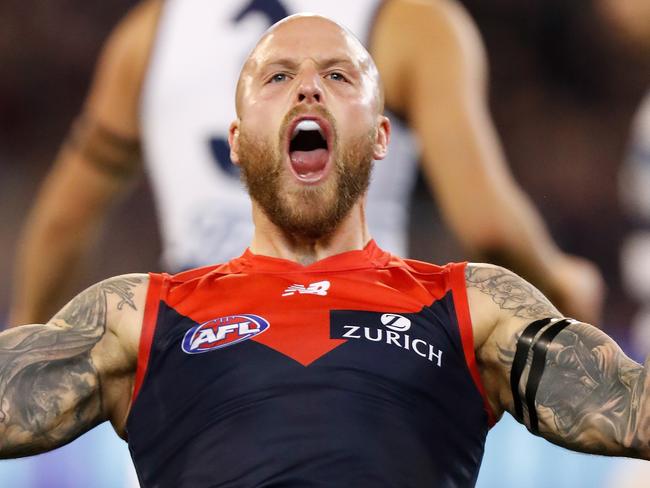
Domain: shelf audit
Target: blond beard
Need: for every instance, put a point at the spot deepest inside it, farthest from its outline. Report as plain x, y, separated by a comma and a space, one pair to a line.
305, 211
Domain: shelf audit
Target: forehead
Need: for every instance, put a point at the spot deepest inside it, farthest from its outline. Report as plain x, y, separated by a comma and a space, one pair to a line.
311, 37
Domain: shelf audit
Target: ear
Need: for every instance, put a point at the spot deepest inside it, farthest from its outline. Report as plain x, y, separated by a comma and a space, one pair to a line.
233, 141
382, 138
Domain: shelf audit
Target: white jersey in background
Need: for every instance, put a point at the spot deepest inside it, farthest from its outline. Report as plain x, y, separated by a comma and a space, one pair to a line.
188, 105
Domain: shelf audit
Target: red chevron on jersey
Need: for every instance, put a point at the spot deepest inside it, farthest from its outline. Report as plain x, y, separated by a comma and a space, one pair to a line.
291, 340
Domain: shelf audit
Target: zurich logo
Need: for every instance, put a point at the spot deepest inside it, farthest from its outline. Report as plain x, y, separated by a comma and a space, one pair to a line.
222, 332
396, 322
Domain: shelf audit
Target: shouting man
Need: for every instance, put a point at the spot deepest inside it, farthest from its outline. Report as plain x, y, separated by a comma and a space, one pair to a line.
315, 358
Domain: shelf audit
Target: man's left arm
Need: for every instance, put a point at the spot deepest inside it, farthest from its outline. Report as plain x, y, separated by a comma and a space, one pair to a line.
565, 380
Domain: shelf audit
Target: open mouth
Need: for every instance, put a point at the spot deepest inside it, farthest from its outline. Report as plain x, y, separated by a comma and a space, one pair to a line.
308, 150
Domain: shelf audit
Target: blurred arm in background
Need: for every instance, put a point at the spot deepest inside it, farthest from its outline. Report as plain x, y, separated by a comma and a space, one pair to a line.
96, 164
434, 69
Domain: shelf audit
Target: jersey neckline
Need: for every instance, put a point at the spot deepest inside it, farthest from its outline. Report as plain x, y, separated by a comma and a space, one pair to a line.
371, 256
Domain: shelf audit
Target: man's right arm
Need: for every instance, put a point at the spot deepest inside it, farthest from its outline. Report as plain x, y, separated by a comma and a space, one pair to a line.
94, 166
60, 379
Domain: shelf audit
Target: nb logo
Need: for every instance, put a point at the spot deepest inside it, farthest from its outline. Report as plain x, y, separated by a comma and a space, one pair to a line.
318, 288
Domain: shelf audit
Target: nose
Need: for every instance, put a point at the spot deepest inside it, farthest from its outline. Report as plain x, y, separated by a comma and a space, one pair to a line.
310, 89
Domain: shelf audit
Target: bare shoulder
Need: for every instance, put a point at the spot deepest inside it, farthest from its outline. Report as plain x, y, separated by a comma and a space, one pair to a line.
443, 13
129, 43
114, 305
92, 305
429, 38
113, 100
565, 380
138, 24
59, 379
113, 310
419, 23
509, 292
501, 302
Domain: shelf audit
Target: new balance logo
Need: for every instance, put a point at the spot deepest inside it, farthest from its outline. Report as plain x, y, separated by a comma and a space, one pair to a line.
318, 288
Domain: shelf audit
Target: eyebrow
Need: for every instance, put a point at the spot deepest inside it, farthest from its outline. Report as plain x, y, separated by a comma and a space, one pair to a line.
292, 64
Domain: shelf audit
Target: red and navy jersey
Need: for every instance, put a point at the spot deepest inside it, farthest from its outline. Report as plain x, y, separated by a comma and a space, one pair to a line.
357, 370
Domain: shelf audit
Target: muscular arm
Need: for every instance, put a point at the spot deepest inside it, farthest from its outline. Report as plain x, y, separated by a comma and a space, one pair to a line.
60, 379
434, 68
576, 387
94, 166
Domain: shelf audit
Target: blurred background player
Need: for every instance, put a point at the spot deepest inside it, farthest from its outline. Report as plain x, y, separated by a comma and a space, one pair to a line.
169, 104
131, 95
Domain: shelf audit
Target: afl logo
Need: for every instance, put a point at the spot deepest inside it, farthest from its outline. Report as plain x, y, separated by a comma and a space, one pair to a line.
222, 332
396, 322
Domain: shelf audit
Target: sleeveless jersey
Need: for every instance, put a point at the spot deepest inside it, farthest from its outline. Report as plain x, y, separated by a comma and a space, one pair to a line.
357, 370
188, 105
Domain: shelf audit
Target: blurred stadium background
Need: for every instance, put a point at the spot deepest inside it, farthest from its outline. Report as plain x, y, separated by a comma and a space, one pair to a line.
563, 94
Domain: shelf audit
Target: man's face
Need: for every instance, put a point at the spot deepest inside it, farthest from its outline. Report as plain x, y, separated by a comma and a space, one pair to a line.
309, 125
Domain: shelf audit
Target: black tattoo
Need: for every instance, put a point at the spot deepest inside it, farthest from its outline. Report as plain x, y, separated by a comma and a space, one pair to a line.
573, 384
509, 292
591, 397
590, 390
49, 387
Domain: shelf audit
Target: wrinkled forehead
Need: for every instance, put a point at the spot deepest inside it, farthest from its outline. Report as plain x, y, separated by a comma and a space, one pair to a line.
308, 36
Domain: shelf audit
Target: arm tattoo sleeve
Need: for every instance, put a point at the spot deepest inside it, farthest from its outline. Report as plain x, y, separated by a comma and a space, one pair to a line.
574, 385
591, 397
510, 292
49, 387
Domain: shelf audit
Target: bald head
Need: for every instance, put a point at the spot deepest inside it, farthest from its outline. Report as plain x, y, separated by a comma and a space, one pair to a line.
309, 36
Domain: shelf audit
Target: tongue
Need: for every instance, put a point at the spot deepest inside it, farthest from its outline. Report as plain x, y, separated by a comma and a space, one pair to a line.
304, 162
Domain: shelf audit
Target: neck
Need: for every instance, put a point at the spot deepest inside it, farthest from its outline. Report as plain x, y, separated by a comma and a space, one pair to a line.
269, 240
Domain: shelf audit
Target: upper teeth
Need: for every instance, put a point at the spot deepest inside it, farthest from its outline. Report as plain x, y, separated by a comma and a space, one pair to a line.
306, 125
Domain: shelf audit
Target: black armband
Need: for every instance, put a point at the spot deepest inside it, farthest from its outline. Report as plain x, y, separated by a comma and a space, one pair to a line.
532, 339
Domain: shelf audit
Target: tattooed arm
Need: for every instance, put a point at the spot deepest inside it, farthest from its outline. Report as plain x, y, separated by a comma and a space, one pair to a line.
60, 379
586, 394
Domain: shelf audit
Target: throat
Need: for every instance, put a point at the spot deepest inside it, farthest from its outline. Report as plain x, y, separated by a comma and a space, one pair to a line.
270, 240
